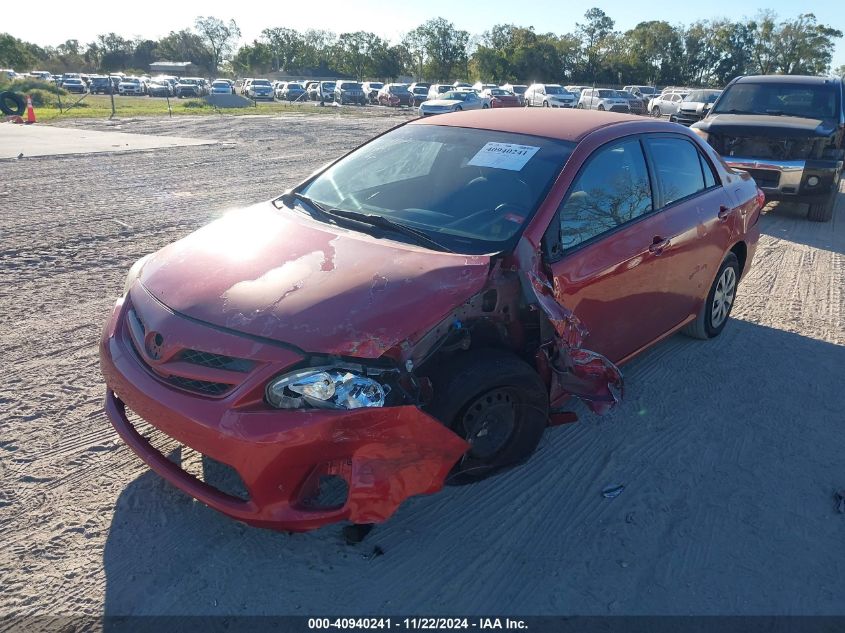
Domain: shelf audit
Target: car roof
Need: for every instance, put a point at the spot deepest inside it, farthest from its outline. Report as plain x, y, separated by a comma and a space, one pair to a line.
792, 79
564, 125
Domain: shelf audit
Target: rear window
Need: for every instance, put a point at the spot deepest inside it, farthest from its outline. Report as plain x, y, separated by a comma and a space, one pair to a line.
260, 82
678, 168
815, 101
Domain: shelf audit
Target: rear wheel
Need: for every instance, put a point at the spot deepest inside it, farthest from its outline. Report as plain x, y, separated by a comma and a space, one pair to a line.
823, 211
495, 401
713, 317
458, 108
601, 107
546, 104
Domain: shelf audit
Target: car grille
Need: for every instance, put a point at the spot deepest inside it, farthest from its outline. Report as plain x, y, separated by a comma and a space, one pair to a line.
764, 147
687, 118
619, 108
768, 178
136, 332
216, 474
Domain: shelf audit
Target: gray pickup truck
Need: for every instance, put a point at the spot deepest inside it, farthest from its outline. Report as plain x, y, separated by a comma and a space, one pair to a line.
787, 131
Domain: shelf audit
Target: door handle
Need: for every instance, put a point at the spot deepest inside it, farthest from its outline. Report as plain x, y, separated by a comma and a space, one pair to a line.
659, 245
724, 212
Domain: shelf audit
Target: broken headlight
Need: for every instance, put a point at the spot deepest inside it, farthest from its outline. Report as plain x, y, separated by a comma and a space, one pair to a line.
325, 388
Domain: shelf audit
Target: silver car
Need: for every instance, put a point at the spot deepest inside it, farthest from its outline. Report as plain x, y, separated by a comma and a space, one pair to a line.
548, 96
666, 104
603, 99
453, 101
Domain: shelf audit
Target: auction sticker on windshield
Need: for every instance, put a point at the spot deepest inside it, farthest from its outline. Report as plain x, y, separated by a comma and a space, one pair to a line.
503, 156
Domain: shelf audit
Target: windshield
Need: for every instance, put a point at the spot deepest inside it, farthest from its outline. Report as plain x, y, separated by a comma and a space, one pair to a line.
188, 82
471, 190
350, 86
647, 90
555, 90
454, 95
702, 96
398, 88
605, 94
519, 89
814, 101
498, 92
376, 85
622, 94
260, 82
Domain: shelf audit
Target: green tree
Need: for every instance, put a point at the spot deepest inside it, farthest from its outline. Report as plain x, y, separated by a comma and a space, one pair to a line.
805, 47
185, 46
253, 59
15, 53
656, 48
445, 48
597, 27
287, 46
219, 37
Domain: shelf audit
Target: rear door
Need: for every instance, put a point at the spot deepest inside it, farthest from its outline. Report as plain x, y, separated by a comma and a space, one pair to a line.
606, 269
696, 221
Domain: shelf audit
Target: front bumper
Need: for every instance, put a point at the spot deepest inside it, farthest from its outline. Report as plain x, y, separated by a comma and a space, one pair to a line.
789, 179
385, 455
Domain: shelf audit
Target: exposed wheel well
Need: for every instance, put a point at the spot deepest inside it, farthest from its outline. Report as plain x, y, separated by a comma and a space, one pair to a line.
741, 251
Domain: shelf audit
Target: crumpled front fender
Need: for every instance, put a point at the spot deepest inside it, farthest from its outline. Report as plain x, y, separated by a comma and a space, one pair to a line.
578, 372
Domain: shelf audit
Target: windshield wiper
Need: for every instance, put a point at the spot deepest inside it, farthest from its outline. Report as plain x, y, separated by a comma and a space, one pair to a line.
386, 223
378, 221
316, 208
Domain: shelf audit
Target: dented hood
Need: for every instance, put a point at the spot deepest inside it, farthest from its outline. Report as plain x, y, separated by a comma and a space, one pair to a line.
278, 274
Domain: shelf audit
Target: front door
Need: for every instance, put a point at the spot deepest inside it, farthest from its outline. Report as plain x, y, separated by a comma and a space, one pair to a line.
610, 252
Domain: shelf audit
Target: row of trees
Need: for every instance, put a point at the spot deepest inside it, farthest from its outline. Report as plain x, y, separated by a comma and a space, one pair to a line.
704, 52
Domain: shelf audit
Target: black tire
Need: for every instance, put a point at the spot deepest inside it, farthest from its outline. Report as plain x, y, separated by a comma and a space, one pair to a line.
823, 211
12, 103
655, 112
546, 104
473, 389
600, 108
703, 327
458, 108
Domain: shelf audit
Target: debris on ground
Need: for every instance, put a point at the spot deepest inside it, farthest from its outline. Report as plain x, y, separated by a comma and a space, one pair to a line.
609, 492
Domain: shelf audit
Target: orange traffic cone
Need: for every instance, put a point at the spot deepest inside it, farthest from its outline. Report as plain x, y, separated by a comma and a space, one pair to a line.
30, 111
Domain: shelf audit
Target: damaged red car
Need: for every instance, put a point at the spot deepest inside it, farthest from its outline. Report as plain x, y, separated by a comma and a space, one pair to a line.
419, 311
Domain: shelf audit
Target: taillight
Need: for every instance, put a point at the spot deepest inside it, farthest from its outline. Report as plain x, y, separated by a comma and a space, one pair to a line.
761, 198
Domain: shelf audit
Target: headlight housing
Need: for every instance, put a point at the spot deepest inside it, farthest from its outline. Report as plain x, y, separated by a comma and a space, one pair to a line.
134, 273
325, 388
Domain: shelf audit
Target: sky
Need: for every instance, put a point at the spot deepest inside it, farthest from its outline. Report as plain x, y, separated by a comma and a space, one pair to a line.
58, 20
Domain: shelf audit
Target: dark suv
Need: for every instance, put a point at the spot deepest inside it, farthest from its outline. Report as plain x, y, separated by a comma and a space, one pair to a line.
787, 131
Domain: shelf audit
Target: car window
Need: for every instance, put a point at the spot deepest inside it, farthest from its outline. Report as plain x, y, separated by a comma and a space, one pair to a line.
677, 166
471, 189
611, 190
707, 169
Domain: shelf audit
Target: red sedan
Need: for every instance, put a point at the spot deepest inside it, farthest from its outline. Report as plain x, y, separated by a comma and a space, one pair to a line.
418, 312
501, 98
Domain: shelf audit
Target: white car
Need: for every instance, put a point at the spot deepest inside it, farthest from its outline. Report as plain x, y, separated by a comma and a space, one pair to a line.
548, 96
481, 87
603, 99
454, 101
221, 87
666, 104
132, 86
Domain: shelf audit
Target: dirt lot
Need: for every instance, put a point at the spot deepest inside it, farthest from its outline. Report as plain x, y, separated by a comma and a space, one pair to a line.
730, 450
